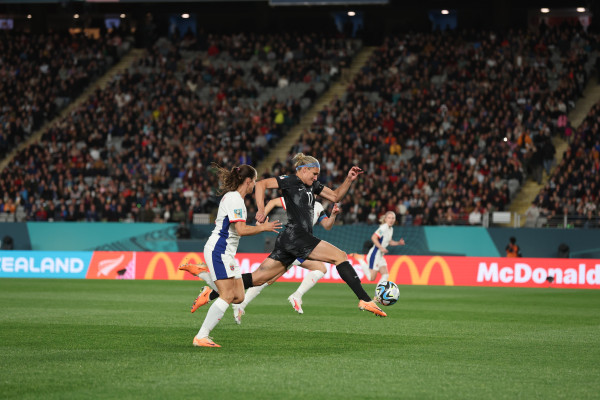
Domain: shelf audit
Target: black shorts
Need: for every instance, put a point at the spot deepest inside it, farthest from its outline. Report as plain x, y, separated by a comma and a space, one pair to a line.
292, 244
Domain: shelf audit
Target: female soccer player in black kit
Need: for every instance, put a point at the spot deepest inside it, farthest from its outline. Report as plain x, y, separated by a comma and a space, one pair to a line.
297, 241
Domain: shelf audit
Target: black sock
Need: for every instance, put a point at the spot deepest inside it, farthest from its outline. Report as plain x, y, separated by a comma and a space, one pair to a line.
348, 274
247, 278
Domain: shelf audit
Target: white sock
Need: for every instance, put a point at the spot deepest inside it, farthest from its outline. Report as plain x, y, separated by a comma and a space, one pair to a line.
365, 268
205, 276
251, 293
213, 316
307, 283
384, 278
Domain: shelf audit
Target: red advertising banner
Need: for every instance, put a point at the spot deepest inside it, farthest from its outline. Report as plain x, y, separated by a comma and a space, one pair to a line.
404, 270
112, 265
164, 265
495, 271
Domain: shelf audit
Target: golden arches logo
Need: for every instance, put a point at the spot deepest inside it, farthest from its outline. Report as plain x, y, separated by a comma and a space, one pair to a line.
423, 277
172, 272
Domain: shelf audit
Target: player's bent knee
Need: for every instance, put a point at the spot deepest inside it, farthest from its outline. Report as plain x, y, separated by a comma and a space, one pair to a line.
340, 257
229, 297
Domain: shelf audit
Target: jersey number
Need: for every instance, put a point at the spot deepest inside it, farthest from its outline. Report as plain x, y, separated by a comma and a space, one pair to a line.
311, 198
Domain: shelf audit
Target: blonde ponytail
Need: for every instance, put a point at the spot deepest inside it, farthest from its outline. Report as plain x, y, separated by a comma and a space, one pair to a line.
301, 160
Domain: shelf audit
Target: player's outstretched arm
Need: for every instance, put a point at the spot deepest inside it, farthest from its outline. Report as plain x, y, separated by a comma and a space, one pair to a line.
278, 202
327, 223
339, 193
259, 195
397, 242
248, 230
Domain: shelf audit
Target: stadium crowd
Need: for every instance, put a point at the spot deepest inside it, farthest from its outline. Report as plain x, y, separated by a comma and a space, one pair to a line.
448, 125
41, 73
275, 59
142, 148
573, 189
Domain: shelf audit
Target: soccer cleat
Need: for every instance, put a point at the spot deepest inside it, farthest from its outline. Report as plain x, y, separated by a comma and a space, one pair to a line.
237, 313
296, 303
372, 307
202, 298
204, 342
194, 269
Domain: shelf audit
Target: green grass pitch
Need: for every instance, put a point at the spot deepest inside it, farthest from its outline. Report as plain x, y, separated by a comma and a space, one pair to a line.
85, 339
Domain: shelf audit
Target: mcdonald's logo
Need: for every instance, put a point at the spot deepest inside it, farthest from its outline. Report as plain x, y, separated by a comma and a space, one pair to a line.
422, 278
165, 260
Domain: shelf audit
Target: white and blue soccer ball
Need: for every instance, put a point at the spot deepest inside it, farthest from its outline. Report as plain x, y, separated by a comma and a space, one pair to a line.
387, 293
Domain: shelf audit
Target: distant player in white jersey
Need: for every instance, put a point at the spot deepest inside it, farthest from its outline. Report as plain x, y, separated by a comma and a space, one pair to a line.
220, 249
316, 269
382, 238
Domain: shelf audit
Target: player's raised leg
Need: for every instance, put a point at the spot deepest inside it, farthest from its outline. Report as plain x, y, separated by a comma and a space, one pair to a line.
329, 253
267, 270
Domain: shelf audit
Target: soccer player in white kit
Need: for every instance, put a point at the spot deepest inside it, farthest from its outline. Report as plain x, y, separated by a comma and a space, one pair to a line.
382, 238
316, 269
220, 249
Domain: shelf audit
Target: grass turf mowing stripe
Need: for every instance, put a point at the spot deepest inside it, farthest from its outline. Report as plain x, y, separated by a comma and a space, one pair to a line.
132, 339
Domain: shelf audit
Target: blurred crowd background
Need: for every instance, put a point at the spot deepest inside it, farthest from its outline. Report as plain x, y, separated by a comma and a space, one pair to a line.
449, 122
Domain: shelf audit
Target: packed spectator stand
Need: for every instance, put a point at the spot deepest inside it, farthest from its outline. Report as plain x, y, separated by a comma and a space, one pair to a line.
41, 73
571, 196
142, 148
448, 125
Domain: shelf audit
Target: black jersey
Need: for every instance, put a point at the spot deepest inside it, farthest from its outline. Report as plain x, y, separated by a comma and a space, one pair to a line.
299, 201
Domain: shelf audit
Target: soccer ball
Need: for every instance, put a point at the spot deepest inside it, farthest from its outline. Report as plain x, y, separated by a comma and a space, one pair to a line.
387, 293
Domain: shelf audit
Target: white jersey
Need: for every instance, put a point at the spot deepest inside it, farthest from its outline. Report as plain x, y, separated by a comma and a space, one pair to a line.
375, 256
224, 238
384, 233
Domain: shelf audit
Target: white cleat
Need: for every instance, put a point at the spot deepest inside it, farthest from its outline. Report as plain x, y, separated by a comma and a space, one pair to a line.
237, 313
296, 303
